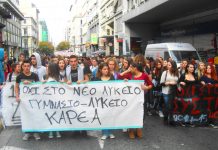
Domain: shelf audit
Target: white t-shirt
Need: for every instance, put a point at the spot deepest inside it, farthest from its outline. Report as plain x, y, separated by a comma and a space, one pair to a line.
169, 77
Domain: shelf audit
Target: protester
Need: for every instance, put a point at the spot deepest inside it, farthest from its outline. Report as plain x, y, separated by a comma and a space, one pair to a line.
138, 74
113, 67
169, 79
53, 76
21, 58
16, 69
54, 59
62, 68
7, 66
26, 77
200, 70
210, 78
36, 66
76, 73
157, 94
104, 74
183, 66
94, 67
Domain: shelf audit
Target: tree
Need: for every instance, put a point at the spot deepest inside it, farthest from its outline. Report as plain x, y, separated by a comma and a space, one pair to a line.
64, 45
46, 48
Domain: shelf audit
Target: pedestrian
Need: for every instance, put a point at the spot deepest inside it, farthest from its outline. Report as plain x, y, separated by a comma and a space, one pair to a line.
104, 74
26, 77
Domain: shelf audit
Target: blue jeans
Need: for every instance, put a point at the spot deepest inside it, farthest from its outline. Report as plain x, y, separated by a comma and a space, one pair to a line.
168, 99
106, 132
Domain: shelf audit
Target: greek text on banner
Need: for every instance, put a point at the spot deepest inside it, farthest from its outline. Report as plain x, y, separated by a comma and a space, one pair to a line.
97, 105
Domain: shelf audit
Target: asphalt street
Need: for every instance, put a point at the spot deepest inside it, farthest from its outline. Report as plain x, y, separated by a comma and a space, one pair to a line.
156, 136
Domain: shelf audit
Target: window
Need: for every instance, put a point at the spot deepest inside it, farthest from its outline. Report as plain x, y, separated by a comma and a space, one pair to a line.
25, 31
180, 55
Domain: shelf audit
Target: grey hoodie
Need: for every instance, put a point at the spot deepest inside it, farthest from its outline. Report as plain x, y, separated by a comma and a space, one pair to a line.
41, 70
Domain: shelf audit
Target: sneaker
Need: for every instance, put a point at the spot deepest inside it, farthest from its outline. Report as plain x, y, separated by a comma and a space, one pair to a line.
124, 130
192, 125
36, 136
149, 113
213, 126
58, 135
50, 135
26, 136
104, 137
161, 114
112, 136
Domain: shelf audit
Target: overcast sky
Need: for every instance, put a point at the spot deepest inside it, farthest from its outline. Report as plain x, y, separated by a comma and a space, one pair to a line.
55, 13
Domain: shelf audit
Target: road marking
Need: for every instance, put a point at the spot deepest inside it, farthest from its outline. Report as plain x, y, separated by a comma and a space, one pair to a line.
11, 148
101, 143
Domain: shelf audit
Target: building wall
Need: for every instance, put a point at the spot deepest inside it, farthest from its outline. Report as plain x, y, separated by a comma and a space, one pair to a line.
30, 30
11, 33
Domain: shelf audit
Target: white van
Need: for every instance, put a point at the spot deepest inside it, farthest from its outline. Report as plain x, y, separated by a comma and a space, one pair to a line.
177, 51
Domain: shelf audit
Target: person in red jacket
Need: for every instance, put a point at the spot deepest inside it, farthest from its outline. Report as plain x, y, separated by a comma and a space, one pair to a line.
137, 73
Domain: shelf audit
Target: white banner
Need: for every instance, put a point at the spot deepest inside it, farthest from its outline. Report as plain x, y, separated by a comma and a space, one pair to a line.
10, 108
91, 106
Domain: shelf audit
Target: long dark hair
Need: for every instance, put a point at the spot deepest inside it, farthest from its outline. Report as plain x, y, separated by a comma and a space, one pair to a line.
186, 69
100, 67
53, 71
139, 66
158, 71
174, 70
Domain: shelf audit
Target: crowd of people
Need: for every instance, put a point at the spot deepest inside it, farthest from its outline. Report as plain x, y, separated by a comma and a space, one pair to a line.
161, 78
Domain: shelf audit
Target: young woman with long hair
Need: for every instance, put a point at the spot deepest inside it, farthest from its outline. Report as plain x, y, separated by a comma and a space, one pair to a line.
169, 79
210, 77
62, 68
53, 75
104, 74
137, 72
200, 70
157, 94
113, 67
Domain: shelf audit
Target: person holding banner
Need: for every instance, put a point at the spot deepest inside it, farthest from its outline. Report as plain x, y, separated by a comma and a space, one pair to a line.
104, 74
75, 73
53, 76
187, 80
210, 77
26, 77
169, 79
137, 72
